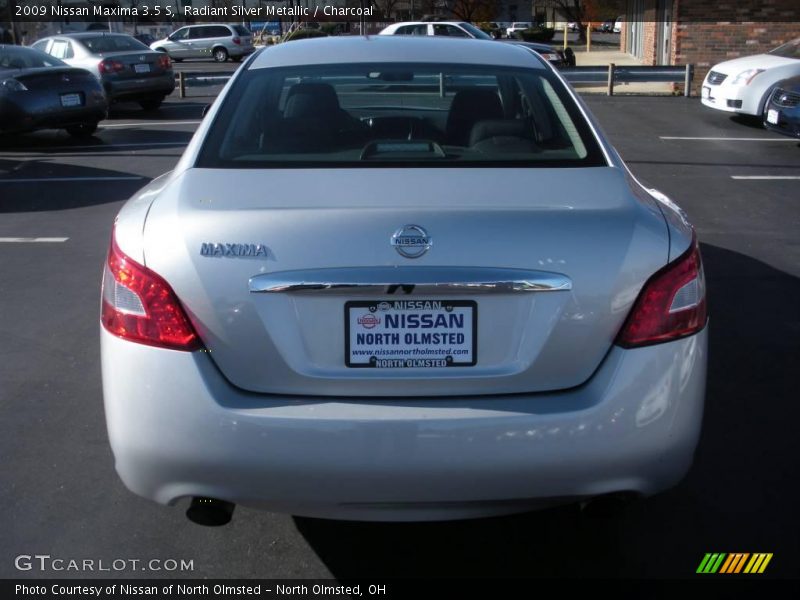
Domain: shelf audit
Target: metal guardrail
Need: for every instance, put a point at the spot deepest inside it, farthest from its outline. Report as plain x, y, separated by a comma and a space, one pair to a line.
613, 74
610, 75
204, 77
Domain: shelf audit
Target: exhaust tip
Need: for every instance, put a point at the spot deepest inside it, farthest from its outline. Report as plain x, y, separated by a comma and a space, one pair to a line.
210, 512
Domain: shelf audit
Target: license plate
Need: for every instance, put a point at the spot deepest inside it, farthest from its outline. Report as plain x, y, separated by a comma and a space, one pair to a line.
772, 116
71, 100
141, 68
400, 334
706, 93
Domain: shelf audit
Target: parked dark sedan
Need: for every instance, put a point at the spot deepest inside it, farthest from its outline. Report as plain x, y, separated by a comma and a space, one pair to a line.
128, 69
38, 91
782, 110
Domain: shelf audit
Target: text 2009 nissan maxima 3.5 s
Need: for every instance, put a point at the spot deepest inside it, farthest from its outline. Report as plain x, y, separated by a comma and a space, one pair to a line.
366, 329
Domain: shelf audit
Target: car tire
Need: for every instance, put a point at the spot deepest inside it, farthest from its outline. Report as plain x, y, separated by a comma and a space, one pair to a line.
765, 100
151, 103
83, 130
220, 55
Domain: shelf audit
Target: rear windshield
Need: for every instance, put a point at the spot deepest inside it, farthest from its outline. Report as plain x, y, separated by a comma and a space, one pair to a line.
788, 50
241, 30
398, 115
112, 43
478, 33
14, 57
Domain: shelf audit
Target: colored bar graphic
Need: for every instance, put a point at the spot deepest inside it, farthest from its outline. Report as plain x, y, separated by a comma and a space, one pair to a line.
749, 567
717, 564
721, 562
765, 563
732, 563
727, 564
703, 563
740, 564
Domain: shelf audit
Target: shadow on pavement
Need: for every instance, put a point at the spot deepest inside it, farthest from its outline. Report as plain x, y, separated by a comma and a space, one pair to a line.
169, 111
101, 187
751, 121
746, 465
52, 142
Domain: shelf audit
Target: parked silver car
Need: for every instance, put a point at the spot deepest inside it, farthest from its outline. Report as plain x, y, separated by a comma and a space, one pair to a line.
218, 41
366, 329
127, 69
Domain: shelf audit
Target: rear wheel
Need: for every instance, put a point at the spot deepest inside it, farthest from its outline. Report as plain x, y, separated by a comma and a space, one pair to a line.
151, 103
220, 54
83, 130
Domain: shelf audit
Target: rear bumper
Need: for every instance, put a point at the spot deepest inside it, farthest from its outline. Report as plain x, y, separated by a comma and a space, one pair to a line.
134, 89
240, 50
16, 118
178, 428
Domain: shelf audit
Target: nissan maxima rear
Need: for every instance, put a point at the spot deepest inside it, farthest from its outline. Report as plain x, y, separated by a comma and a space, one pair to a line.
327, 309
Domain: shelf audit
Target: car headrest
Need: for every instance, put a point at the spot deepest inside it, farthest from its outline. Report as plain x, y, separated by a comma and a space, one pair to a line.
483, 130
503, 136
469, 107
317, 100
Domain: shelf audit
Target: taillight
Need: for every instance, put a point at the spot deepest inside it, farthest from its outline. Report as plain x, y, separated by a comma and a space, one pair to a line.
164, 61
138, 305
236, 40
110, 66
671, 305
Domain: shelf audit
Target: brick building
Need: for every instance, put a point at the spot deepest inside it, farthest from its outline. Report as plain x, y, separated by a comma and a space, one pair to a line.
705, 32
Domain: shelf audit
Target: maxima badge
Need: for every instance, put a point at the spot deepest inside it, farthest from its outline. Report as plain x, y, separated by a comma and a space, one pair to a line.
411, 241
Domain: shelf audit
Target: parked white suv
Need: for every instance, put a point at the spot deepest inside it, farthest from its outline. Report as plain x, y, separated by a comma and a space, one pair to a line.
217, 41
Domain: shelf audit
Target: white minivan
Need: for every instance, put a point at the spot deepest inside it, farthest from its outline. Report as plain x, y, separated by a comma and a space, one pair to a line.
217, 41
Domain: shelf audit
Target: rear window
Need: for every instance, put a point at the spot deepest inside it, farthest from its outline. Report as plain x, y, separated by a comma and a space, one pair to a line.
112, 43
412, 30
241, 30
398, 115
15, 57
477, 33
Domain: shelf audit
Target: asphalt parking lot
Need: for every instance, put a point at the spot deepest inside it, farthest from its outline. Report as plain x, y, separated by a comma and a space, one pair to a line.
60, 496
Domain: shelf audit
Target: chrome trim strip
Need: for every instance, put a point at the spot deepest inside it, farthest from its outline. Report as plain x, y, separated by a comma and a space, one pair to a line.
425, 280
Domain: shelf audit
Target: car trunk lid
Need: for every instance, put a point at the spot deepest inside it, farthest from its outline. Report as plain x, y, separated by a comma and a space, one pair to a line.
238, 247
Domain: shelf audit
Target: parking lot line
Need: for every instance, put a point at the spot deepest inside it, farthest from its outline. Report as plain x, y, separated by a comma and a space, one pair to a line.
146, 124
38, 149
766, 177
36, 240
727, 139
68, 179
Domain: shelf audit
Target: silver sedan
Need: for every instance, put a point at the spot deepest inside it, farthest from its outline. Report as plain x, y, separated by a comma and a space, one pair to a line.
327, 309
128, 70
